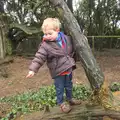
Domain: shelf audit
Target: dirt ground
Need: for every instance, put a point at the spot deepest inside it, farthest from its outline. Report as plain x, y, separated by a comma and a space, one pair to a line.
17, 83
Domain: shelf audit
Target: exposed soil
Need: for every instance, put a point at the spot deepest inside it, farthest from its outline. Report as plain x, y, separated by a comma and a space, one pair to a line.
17, 83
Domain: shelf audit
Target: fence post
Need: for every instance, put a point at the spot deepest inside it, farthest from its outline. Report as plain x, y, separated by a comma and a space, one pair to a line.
93, 44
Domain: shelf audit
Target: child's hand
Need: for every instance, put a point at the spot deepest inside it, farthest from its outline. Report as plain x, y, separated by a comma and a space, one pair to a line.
30, 74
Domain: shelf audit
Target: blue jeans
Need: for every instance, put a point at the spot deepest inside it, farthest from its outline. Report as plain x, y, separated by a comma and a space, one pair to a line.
62, 82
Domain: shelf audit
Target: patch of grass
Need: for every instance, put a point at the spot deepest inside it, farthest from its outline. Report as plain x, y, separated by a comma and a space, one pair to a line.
45, 96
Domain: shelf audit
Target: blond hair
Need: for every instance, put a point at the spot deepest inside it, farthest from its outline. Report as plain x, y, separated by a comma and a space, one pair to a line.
54, 23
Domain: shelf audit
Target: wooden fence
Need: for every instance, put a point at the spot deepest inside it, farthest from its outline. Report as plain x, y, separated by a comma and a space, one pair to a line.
110, 38
30, 45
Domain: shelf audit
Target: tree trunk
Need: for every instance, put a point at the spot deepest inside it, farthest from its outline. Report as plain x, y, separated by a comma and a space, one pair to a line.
92, 70
70, 4
2, 53
3, 39
1, 6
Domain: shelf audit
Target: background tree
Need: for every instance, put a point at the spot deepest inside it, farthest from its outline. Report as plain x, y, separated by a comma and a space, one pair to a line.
25, 16
3, 30
89, 15
70, 4
99, 17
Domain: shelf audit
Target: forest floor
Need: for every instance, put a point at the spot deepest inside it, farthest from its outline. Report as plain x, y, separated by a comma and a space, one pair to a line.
17, 70
17, 83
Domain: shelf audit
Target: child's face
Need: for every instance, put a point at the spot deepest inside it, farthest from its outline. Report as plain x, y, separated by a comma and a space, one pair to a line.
50, 33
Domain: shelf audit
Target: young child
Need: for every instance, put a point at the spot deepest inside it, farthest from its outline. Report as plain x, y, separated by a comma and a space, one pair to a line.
56, 49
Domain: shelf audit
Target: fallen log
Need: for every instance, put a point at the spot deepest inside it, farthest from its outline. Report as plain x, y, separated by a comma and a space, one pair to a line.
80, 112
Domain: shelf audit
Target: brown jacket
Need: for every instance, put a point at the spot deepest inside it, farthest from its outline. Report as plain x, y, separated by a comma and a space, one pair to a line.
58, 59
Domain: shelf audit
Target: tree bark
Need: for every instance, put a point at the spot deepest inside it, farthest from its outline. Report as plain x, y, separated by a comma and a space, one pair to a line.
2, 43
92, 70
80, 112
2, 53
3, 38
70, 5
2, 50
1, 6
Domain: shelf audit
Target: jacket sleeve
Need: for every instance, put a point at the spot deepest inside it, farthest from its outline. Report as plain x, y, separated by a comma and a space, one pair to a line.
39, 59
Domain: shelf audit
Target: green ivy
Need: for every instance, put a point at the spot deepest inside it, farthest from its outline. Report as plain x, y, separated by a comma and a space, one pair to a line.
115, 86
36, 100
9, 47
81, 92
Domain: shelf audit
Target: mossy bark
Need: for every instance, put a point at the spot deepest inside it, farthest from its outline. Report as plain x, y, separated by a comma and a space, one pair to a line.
80, 112
2, 37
